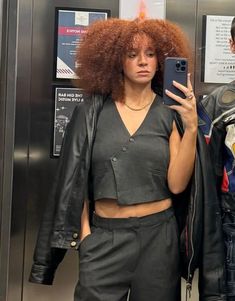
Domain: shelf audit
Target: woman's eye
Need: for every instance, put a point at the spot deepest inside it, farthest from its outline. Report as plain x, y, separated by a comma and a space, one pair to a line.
151, 54
131, 55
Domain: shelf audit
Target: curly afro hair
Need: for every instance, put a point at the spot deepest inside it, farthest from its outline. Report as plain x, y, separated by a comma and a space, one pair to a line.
103, 47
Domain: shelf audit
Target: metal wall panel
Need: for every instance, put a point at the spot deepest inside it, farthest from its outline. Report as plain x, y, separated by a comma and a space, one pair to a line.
7, 126
208, 7
186, 18
190, 19
21, 13
34, 166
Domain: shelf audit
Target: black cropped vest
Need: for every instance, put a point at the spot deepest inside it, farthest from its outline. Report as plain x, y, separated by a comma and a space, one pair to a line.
132, 169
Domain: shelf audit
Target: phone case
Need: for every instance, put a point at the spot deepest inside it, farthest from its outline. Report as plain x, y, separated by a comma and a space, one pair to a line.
176, 68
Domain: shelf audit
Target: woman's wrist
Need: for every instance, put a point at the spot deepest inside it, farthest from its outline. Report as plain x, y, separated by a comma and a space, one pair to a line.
191, 129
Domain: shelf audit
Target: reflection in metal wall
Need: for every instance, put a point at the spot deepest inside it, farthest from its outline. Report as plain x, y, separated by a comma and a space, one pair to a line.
41, 163
7, 108
190, 18
34, 166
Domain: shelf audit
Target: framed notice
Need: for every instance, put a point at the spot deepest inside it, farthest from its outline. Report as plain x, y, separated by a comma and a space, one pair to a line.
219, 62
65, 101
71, 24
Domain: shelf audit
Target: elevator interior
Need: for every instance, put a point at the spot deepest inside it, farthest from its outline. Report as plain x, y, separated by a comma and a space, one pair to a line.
26, 128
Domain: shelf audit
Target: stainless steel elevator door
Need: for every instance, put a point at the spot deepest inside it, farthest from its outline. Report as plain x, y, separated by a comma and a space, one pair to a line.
34, 165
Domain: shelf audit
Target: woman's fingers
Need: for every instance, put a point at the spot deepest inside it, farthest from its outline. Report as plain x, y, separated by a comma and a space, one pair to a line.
180, 100
187, 104
189, 84
188, 91
174, 96
189, 98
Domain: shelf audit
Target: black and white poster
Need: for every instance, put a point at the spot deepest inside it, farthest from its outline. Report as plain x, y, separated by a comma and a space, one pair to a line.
65, 101
219, 65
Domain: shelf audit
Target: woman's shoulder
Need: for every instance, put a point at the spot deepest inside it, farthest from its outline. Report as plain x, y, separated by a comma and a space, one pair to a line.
90, 102
84, 112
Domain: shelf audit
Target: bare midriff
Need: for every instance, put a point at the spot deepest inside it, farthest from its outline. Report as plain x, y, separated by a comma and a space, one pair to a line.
109, 208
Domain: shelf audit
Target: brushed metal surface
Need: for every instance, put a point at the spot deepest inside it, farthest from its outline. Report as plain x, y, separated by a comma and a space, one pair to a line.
7, 113
20, 17
186, 18
190, 19
208, 7
41, 165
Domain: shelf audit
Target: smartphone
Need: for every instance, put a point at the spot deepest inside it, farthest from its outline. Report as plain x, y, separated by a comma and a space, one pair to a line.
176, 68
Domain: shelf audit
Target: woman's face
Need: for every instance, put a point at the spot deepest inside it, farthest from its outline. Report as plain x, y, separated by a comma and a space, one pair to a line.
140, 62
232, 45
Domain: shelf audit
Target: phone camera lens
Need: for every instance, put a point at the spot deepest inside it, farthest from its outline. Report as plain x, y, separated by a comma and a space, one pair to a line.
182, 68
177, 65
183, 63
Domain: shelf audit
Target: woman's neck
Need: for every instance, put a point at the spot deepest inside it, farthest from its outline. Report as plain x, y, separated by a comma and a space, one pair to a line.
138, 95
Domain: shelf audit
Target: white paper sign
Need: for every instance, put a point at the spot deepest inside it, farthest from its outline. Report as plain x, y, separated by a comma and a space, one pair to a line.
219, 61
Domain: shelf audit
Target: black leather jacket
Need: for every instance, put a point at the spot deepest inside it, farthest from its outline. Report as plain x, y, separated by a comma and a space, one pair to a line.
197, 209
216, 115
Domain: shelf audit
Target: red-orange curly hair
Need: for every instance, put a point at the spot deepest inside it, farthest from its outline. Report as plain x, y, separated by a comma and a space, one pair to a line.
100, 55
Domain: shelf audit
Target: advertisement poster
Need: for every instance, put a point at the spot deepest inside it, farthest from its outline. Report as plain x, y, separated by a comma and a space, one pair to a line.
219, 65
65, 101
71, 25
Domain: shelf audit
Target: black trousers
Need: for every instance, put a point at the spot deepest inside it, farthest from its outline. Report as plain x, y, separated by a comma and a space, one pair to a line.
139, 256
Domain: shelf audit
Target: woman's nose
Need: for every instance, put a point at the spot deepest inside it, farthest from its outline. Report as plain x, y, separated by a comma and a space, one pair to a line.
142, 59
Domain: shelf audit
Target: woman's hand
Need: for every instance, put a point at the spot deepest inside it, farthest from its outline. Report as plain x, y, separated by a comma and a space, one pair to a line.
187, 108
183, 149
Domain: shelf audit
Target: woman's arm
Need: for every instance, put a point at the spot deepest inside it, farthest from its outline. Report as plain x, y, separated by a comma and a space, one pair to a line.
182, 157
183, 150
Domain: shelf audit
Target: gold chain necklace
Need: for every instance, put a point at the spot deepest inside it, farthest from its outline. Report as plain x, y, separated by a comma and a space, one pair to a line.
139, 109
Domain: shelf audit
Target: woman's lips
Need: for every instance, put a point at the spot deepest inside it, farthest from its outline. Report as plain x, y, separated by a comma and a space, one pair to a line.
143, 72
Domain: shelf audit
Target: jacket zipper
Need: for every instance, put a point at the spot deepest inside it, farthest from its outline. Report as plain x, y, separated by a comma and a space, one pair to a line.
190, 276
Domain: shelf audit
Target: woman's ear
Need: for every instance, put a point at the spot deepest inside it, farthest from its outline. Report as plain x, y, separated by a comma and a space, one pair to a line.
232, 45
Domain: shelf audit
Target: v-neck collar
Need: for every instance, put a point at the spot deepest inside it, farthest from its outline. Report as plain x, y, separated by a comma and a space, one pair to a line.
141, 124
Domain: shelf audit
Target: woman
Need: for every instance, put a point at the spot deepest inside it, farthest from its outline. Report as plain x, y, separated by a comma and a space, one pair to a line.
138, 159
124, 157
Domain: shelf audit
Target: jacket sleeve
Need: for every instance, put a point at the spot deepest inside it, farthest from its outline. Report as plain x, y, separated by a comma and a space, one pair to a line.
212, 265
46, 256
